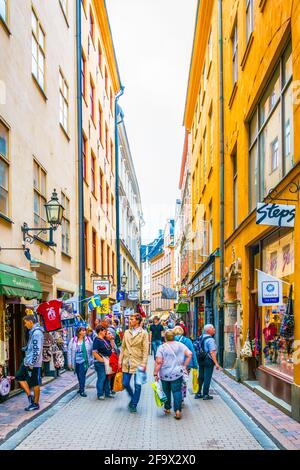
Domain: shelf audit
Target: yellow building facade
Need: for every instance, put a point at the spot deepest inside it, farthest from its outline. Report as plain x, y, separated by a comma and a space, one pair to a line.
201, 119
260, 98
100, 84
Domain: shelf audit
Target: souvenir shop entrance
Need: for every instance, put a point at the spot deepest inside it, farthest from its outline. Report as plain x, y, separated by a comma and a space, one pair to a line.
272, 326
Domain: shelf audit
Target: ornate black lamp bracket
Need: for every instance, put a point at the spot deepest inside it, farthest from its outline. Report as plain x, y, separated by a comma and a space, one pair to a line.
30, 238
294, 188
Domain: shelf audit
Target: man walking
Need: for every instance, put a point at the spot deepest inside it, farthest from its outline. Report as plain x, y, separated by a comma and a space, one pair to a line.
156, 330
29, 374
134, 355
207, 362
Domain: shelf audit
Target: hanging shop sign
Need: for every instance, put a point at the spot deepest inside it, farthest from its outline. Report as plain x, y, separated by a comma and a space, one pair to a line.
133, 295
101, 287
117, 308
183, 292
280, 215
205, 279
269, 290
146, 302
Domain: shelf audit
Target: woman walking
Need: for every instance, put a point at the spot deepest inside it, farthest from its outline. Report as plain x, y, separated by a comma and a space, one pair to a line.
102, 351
80, 356
179, 336
172, 359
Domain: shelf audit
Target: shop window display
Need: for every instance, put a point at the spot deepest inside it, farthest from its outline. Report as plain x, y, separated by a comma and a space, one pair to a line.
278, 321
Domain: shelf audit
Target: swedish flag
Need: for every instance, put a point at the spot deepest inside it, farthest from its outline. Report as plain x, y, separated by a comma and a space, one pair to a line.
94, 302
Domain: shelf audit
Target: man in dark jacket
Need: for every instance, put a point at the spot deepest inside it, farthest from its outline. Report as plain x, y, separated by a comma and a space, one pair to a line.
29, 374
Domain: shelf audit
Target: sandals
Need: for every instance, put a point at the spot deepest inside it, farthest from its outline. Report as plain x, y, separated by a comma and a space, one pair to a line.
177, 415
167, 412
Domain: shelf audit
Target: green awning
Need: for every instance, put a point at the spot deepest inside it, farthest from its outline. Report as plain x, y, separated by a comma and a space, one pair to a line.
182, 307
15, 282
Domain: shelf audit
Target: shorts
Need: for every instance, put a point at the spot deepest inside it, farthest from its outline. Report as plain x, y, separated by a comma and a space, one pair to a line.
31, 376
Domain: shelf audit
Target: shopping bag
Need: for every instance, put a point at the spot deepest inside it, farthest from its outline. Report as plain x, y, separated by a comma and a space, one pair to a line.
118, 382
195, 383
114, 362
162, 396
158, 402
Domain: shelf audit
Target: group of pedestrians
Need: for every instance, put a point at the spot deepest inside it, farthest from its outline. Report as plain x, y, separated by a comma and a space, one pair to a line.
175, 356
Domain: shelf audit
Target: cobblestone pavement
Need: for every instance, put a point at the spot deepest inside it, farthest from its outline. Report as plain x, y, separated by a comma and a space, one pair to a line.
283, 429
12, 414
86, 423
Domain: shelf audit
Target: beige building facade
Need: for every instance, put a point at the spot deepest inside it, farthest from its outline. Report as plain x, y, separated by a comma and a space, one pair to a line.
38, 153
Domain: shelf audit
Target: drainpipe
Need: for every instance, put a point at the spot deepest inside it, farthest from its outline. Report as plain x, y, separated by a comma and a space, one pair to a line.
221, 91
80, 163
118, 250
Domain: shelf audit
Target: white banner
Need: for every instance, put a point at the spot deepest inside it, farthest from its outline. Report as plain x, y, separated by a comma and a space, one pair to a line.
269, 289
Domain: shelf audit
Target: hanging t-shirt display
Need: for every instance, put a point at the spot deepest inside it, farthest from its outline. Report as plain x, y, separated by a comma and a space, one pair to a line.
50, 311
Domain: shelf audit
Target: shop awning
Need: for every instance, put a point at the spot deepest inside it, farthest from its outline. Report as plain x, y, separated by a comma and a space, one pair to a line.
182, 307
16, 282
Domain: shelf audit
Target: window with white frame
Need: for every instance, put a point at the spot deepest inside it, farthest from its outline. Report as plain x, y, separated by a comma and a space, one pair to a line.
65, 225
39, 196
63, 102
4, 169
234, 44
249, 19
271, 132
38, 50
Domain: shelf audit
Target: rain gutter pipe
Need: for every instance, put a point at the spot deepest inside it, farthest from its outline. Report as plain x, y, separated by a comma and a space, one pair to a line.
80, 162
221, 91
118, 95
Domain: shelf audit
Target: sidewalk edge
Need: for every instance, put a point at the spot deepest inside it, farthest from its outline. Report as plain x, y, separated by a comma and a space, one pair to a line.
41, 412
268, 428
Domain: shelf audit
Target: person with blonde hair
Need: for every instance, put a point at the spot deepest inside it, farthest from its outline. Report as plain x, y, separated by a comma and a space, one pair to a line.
172, 358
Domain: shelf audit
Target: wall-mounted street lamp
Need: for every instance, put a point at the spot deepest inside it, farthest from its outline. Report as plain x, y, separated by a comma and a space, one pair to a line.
54, 214
124, 280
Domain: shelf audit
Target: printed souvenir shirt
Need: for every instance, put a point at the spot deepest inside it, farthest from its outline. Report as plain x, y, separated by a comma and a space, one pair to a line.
50, 311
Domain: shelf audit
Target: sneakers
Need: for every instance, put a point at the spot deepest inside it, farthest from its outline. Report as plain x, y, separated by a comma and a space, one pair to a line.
33, 407
132, 408
83, 394
207, 397
198, 395
101, 398
110, 396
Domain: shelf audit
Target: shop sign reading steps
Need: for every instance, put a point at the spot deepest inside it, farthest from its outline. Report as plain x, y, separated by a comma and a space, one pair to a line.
280, 215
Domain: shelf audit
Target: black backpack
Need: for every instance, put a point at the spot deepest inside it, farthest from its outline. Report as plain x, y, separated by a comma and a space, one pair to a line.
199, 348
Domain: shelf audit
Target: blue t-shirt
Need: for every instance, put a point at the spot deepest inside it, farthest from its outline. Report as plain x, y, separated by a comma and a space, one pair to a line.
209, 344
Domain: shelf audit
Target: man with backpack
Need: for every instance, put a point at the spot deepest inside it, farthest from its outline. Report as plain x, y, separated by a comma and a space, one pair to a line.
206, 350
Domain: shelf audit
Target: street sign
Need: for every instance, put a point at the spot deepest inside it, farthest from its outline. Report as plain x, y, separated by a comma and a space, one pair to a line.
280, 215
101, 288
183, 292
146, 302
121, 295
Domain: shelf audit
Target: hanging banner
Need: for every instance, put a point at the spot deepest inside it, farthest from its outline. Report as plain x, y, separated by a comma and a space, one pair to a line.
104, 307
117, 308
269, 289
121, 295
279, 215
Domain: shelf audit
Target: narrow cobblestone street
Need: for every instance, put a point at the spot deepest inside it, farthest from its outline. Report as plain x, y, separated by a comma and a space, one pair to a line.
85, 423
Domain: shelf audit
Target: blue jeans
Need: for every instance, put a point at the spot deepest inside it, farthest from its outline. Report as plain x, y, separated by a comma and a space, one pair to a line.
173, 386
155, 346
206, 369
102, 385
81, 371
135, 396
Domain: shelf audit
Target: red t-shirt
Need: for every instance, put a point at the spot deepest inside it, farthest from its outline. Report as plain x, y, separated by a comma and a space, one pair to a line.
50, 311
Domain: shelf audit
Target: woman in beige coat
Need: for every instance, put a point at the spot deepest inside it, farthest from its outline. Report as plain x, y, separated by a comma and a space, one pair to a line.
134, 355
